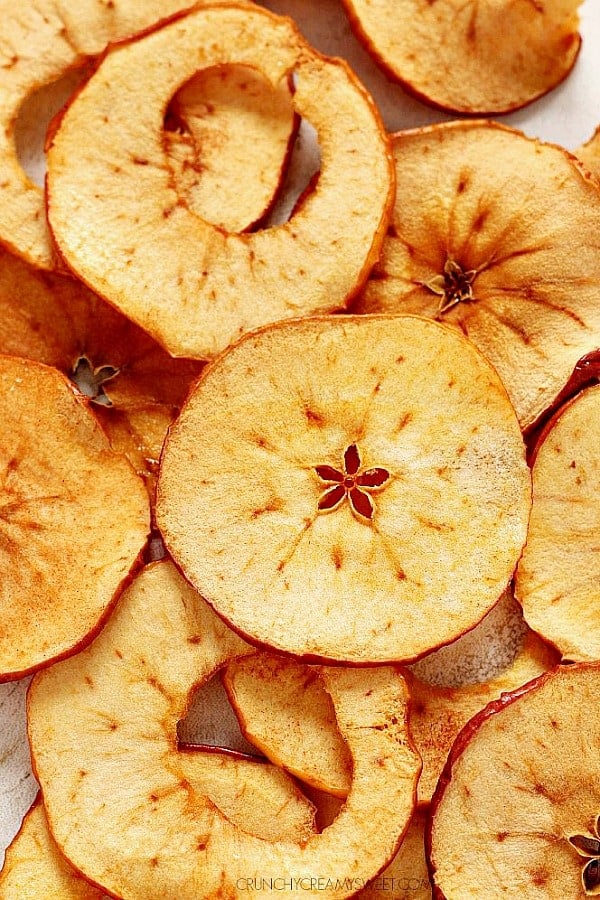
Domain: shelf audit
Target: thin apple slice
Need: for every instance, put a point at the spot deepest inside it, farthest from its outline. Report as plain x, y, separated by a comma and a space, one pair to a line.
406, 878
438, 713
558, 578
74, 518
448, 53
285, 711
135, 388
516, 810
102, 728
589, 153
496, 255
365, 471
35, 868
122, 227
214, 119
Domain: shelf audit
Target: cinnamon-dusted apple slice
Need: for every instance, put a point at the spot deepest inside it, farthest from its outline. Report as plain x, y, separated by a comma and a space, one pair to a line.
192, 285
589, 153
438, 713
35, 868
120, 800
285, 711
558, 577
365, 471
516, 810
43, 41
495, 255
448, 53
74, 518
213, 120
136, 389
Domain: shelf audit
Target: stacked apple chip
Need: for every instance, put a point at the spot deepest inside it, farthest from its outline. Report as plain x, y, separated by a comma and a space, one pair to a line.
483, 239
371, 467
74, 518
516, 810
558, 576
449, 53
589, 153
124, 229
135, 387
108, 716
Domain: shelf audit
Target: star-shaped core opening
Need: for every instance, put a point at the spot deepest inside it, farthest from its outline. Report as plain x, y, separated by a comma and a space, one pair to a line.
352, 484
589, 847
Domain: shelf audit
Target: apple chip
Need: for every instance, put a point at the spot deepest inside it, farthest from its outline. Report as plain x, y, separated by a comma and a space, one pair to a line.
449, 54
74, 518
589, 153
516, 812
136, 389
192, 285
108, 717
438, 713
406, 877
213, 119
484, 238
558, 578
333, 484
35, 868
285, 711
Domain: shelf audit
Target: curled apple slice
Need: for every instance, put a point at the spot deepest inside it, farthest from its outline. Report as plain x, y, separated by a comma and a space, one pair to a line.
448, 53
135, 388
46, 39
558, 577
365, 471
214, 119
438, 713
285, 711
516, 810
35, 868
161, 835
123, 228
496, 255
406, 878
74, 518
589, 153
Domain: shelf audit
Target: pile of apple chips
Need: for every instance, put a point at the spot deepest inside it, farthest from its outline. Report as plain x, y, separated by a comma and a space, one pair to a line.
323, 461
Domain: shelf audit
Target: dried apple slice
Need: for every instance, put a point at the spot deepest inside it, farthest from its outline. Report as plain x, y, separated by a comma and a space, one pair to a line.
190, 284
366, 471
214, 119
107, 718
74, 518
438, 713
448, 53
516, 810
34, 867
136, 389
46, 39
558, 577
494, 254
285, 711
589, 153
406, 878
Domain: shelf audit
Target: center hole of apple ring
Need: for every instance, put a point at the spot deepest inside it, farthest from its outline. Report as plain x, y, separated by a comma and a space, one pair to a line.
228, 134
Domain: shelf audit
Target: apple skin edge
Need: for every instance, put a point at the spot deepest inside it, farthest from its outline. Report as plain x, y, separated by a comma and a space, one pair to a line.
463, 740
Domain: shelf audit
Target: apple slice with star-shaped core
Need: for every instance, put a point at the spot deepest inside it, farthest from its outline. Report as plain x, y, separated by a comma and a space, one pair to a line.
495, 255
361, 473
449, 54
120, 795
135, 388
122, 226
558, 577
516, 810
74, 519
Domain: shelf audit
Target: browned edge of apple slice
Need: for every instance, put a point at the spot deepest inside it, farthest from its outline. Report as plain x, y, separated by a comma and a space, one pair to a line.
314, 263
449, 57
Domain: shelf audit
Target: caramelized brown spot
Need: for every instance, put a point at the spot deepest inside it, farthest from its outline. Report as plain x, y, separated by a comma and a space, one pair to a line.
337, 556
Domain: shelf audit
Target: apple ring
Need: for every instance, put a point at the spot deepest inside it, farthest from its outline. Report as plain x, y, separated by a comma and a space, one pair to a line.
124, 230
161, 836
